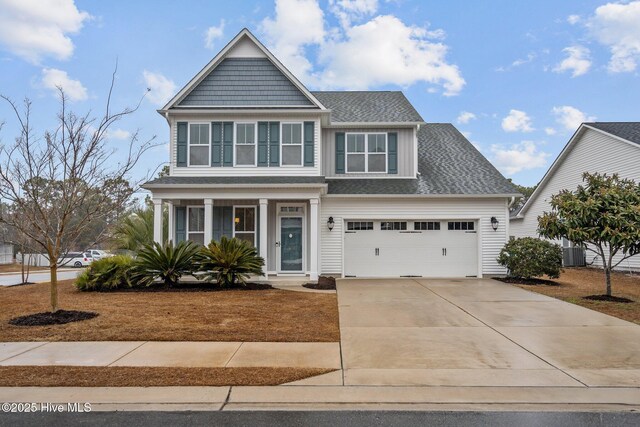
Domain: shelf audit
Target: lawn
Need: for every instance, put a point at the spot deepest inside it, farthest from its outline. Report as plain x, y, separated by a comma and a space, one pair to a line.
576, 283
257, 315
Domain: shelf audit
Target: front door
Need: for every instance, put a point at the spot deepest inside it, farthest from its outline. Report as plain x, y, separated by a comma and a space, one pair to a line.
291, 244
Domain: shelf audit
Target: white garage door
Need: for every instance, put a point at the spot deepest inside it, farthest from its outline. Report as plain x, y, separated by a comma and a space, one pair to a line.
410, 248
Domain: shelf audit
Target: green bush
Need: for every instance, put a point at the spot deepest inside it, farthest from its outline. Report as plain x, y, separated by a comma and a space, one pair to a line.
230, 262
106, 274
166, 262
529, 257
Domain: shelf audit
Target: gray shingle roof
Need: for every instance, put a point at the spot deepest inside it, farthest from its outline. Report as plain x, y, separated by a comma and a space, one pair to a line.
245, 81
626, 130
371, 106
448, 164
255, 180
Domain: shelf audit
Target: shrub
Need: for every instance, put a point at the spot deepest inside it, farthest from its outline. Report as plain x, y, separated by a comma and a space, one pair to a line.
529, 257
166, 262
106, 274
230, 262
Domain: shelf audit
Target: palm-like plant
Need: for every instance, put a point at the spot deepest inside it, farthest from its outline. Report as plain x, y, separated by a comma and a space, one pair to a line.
166, 262
136, 229
230, 262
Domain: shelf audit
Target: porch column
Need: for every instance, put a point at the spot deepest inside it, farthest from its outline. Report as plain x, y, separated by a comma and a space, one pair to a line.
208, 221
171, 226
313, 239
157, 220
264, 246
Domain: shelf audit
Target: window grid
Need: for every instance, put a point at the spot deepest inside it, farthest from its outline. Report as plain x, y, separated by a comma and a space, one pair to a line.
359, 225
291, 146
199, 146
461, 225
366, 153
393, 225
245, 148
426, 225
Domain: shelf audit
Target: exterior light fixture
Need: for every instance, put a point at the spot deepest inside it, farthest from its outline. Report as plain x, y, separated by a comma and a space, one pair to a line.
494, 223
330, 223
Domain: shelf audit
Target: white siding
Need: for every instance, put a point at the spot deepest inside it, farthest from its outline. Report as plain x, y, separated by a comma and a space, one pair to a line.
491, 242
239, 170
592, 152
406, 149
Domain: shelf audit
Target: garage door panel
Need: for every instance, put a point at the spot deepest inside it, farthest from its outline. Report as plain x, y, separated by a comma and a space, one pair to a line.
426, 253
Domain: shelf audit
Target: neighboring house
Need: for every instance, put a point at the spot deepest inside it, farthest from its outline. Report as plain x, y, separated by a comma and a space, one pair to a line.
604, 147
340, 183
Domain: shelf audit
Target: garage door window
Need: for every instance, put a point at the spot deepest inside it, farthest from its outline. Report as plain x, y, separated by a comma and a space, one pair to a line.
359, 225
426, 225
393, 226
461, 225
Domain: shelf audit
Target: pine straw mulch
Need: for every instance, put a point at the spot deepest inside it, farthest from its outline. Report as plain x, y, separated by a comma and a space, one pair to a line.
81, 376
575, 284
270, 315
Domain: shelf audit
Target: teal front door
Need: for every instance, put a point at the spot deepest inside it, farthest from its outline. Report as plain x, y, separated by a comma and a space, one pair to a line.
291, 244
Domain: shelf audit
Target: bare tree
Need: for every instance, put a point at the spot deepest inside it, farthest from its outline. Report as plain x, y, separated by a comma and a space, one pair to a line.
58, 184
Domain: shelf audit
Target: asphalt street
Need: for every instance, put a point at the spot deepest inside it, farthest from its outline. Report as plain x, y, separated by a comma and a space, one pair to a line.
41, 276
326, 418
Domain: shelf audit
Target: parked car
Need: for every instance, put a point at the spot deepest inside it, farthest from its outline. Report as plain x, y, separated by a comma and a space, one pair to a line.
76, 259
99, 253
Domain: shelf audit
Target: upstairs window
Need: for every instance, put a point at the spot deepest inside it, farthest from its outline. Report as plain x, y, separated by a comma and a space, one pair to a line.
366, 152
199, 144
291, 144
245, 144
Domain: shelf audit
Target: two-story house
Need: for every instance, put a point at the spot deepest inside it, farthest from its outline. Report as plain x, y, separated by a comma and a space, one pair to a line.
340, 183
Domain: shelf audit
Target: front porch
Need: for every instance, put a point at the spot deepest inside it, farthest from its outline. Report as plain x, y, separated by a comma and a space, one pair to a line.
284, 230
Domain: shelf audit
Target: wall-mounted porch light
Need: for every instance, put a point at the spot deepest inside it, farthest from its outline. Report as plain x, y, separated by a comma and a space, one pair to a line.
494, 223
330, 223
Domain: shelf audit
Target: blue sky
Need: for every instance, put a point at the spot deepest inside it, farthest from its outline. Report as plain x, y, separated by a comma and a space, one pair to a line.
516, 77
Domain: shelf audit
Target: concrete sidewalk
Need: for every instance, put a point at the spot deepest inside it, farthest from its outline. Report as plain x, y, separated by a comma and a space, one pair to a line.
172, 354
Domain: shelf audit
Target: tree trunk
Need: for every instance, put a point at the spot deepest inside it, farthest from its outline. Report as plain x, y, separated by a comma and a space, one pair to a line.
607, 275
53, 265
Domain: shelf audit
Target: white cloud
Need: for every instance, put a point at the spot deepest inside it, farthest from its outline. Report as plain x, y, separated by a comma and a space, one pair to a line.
615, 25
570, 117
518, 157
550, 131
53, 79
517, 121
349, 10
212, 34
465, 117
162, 89
33, 29
518, 62
350, 57
578, 61
573, 19
118, 134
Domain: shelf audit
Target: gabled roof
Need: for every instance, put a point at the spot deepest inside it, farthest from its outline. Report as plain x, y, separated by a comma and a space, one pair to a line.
241, 37
628, 132
369, 107
448, 164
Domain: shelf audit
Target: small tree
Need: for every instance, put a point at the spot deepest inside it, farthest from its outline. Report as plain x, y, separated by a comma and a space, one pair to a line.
603, 215
58, 185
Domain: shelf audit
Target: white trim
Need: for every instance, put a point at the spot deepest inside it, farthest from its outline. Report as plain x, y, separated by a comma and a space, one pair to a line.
222, 54
366, 153
255, 144
425, 196
186, 222
178, 111
208, 165
255, 222
279, 216
282, 165
399, 125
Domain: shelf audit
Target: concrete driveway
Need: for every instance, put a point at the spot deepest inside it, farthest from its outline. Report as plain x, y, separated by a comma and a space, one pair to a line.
478, 332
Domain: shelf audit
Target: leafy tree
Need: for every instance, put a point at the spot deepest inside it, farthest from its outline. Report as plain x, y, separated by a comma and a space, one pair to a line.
529, 257
166, 262
230, 261
58, 185
603, 215
526, 192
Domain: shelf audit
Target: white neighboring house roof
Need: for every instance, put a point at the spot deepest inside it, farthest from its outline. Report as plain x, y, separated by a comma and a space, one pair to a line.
222, 54
628, 132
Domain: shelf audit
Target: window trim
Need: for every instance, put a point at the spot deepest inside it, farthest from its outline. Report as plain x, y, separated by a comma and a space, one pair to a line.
187, 232
366, 152
255, 222
255, 144
282, 144
189, 145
